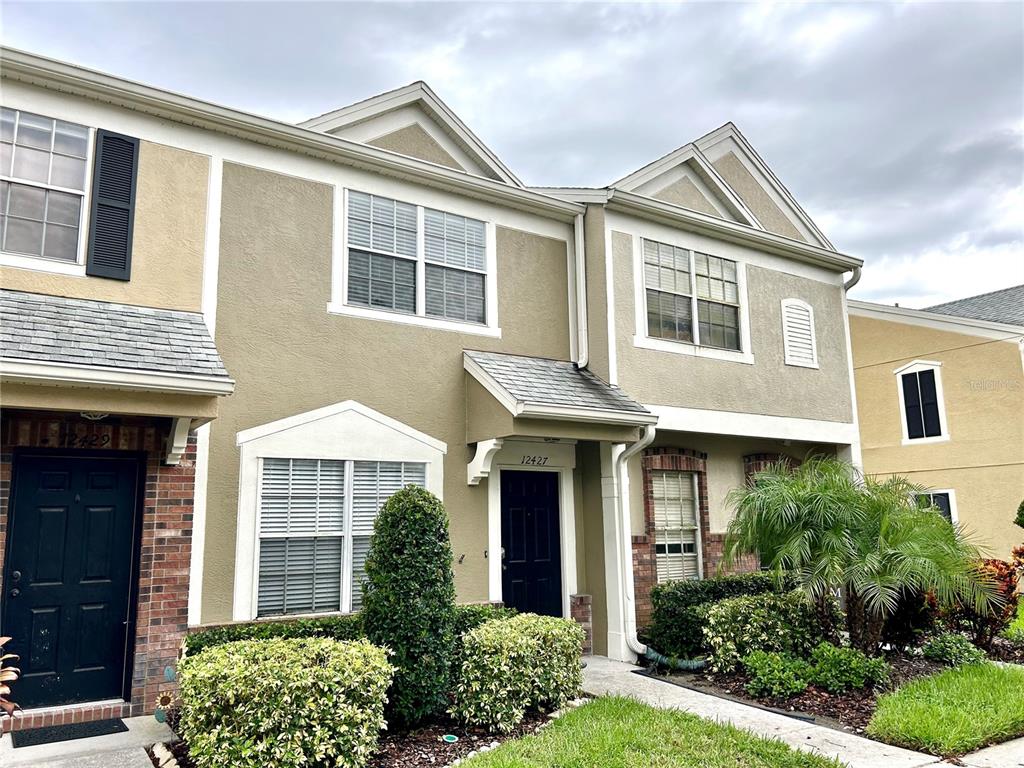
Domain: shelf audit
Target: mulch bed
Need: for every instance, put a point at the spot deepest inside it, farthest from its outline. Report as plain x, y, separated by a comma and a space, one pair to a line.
848, 711
411, 749
1004, 650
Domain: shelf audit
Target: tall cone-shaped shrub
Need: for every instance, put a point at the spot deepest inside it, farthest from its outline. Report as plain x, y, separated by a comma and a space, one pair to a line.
409, 601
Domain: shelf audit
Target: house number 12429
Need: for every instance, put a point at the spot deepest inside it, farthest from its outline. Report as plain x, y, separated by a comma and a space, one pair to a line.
534, 461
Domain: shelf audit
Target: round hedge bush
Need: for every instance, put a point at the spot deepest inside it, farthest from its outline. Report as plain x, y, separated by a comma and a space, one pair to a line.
409, 601
285, 703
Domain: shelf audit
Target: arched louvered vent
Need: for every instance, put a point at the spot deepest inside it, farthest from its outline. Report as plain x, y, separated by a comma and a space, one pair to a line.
798, 333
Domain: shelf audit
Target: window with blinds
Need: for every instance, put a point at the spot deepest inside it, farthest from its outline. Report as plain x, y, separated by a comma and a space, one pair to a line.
393, 245
798, 338
681, 285
316, 520
676, 530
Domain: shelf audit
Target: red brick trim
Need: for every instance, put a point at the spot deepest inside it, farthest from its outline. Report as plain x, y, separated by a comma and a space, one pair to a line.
582, 611
161, 614
757, 462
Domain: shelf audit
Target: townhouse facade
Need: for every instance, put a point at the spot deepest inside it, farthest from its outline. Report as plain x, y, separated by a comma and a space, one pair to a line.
941, 401
582, 375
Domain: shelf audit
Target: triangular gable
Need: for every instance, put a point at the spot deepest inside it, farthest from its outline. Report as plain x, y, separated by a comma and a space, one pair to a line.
686, 178
414, 121
753, 181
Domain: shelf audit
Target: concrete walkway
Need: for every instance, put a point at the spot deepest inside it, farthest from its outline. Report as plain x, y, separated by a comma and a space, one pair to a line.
116, 750
606, 677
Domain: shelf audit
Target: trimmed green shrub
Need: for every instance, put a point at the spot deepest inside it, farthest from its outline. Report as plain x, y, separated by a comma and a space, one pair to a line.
469, 617
345, 627
1019, 519
510, 665
914, 617
285, 703
409, 601
680, 608
952, 649
788, 624
842, 669
775, 675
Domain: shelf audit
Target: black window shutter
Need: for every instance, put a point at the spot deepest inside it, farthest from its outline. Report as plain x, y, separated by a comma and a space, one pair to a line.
112, 214
912, 406
929, 404
941, 502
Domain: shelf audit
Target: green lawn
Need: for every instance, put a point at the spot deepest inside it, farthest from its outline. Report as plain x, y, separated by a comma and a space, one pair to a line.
621, 733
954, 712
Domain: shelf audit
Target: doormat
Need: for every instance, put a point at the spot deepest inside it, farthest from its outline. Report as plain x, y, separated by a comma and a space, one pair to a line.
55, 733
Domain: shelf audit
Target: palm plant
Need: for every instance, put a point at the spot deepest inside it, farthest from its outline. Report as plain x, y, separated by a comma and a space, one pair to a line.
838, 531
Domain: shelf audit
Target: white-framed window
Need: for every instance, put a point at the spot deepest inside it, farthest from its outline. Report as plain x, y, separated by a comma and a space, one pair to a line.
316, 518
922, 410
676, 525
416, 261
798, 339
691, 297
43, 181
944, 501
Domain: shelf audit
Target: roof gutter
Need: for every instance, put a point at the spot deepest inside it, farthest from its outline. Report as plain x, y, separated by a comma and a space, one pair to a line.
68, 78
17, 371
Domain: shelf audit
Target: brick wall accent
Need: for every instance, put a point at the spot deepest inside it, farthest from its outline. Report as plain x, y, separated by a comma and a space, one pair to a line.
581, 609
166, 545
645, 574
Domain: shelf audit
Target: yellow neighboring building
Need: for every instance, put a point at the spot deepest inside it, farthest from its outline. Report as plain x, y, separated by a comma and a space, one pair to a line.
940, 399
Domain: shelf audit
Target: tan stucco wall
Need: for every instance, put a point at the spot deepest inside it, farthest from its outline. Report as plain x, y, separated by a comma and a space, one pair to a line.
756, 199
597, 304
685, 193
289, 355
167, 242
769, 386
983, 385
412, 140
590, 539
107, 401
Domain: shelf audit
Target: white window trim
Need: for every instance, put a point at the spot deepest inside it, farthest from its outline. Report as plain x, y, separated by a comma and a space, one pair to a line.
347, 431
915, 367
789, 360
74, 268
953, 513
339, 275
642, 340
698, 539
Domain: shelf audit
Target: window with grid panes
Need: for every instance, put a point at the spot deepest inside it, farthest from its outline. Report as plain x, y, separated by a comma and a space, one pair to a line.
42, 185
718, 311
676, 536
669, 291
315, 529
384, 258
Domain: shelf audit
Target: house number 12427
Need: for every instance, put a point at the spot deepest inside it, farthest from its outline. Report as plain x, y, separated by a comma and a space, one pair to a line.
534, 461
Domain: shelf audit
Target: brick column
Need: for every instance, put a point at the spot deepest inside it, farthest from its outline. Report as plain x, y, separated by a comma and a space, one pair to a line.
582, 610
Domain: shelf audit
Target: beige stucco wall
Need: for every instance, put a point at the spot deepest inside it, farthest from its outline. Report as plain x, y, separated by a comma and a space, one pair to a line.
412, 140
167, 242
107, 401
685, 193
755, 197
597, 304
590, 539
769, 386
983, 384
289, 355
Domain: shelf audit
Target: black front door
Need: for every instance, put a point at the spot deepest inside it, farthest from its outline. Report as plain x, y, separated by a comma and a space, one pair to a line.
67, 575
531, 578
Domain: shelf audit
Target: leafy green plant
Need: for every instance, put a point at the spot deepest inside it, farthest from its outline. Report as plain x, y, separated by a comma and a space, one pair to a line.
8, 675
953, 649
775, 675
984, 625
842, 669
1019, 519
787, 624
914, 617
680, 607
345, 627
409, 601
285, 703
954, 712
838, 530
1015, 632
510, 665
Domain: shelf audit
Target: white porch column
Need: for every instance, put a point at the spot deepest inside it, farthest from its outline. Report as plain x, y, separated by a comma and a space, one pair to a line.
613, 553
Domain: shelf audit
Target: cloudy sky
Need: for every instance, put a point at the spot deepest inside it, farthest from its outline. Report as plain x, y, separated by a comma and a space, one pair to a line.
899, 127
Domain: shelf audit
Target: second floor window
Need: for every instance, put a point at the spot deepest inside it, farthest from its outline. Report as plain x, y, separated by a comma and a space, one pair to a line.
42, 185
920, 391
682, 286
415, 260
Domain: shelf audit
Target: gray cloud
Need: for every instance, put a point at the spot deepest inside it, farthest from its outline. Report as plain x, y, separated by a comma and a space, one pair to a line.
899, 127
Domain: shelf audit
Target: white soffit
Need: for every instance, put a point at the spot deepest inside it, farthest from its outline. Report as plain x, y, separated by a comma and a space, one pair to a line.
379, 115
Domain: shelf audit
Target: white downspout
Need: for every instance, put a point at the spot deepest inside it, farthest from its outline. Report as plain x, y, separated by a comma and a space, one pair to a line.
582, 332
627, 539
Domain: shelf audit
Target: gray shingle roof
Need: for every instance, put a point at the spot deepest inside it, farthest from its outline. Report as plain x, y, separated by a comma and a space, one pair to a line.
539, 381
55, 329
1004, 306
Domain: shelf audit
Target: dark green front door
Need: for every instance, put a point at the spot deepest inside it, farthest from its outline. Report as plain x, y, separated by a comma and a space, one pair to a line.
68, 573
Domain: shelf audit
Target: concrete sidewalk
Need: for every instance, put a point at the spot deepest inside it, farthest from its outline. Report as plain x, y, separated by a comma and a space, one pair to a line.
116, 750
606, 677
